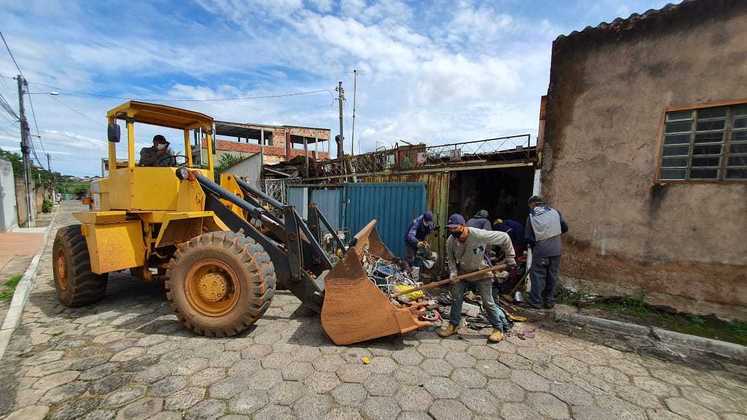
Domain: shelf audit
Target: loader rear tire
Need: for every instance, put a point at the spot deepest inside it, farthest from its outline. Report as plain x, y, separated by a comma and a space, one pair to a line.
220, 283
74, 281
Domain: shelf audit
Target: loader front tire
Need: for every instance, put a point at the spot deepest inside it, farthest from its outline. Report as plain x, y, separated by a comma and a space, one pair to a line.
74, 281
220, 283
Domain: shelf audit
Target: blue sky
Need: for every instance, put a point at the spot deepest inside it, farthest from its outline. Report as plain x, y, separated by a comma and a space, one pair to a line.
433, 71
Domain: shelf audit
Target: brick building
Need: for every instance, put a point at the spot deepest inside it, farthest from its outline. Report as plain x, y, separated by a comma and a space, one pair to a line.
278, 142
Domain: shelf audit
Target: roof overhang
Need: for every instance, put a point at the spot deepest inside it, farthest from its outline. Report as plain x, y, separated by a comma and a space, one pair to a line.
161, 115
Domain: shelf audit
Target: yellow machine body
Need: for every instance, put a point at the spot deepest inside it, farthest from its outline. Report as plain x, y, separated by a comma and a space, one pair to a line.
135, 209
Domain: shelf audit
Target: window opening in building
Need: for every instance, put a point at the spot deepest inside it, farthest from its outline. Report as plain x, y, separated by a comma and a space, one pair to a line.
705, 144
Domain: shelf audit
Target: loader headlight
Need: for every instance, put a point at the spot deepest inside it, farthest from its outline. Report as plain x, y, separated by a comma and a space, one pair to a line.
182, 173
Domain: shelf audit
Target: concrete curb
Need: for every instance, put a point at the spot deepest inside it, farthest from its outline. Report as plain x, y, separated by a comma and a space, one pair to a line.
724, 349
605, 324
708, 345
22, 293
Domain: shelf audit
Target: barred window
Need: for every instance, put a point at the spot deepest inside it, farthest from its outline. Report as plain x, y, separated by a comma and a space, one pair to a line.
705, 144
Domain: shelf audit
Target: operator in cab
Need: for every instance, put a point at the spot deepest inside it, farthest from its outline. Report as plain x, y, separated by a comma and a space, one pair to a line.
157, 155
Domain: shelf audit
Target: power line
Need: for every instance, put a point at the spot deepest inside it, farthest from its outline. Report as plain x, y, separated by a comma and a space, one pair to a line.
10, 120
31, 103
236, 98
36, 124
6, 106
73, 109
11, 54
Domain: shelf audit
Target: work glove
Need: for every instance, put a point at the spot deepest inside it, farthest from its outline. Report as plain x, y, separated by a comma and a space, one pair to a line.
422, 244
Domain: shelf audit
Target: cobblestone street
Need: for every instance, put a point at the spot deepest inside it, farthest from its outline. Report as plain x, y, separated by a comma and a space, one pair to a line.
128, 358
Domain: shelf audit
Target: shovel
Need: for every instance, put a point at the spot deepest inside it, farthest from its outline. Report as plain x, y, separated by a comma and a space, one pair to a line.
354, 309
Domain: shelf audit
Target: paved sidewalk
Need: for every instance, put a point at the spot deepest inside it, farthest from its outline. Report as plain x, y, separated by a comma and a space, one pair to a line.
127, 357
17, 249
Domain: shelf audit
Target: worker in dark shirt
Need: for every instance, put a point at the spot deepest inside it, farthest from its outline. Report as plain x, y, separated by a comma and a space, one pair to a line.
157, 155
480, 220
417, 233
542, 233
515, 230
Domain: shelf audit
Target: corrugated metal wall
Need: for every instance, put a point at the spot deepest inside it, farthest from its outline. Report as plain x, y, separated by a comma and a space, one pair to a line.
394, 205
298, 197
437, 201
329, 202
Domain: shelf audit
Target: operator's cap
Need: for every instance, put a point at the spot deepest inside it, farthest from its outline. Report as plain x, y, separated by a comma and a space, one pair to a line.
455, 220
482, 213
160, 139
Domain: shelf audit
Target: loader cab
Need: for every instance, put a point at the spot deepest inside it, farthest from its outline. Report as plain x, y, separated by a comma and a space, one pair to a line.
152, 188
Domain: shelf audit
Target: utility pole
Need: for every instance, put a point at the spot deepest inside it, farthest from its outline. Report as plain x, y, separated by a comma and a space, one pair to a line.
340, 138
355, 89
25, 149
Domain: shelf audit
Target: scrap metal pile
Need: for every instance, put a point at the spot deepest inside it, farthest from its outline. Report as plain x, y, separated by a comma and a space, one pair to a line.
390, 277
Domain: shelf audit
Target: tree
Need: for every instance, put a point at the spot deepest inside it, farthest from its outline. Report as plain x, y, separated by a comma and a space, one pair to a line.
226, 161
39, 176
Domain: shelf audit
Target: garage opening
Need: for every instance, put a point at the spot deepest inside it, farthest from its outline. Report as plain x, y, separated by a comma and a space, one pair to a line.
503, 192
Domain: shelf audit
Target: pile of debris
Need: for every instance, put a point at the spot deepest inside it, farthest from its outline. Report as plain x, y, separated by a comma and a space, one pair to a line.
391, 277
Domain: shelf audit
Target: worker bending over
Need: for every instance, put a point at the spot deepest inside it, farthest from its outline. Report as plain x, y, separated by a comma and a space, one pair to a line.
416, 235
465, 253
157, 155
480, 220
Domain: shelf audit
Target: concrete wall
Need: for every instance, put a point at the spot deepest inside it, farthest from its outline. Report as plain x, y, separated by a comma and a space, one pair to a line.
248, 169
8, 215
682, 244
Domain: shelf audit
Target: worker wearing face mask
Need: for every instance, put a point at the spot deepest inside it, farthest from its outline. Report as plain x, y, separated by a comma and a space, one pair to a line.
157, 155
465, 253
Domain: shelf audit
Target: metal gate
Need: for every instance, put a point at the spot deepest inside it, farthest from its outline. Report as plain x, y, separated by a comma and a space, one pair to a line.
329, 201
394, 205
298, 197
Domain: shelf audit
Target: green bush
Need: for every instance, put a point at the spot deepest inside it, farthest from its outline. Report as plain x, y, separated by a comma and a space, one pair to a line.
46, 206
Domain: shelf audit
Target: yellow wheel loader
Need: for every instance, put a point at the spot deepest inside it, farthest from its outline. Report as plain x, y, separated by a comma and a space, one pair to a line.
221, 248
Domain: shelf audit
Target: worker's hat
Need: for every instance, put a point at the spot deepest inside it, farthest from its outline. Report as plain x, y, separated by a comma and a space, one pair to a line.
158, 138
455, 220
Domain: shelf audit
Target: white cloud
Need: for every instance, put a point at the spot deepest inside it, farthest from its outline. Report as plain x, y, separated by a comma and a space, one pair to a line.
323, 6
439, 72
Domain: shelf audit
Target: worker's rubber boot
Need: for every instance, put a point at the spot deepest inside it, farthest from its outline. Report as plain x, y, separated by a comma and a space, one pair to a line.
496, 336
447, 331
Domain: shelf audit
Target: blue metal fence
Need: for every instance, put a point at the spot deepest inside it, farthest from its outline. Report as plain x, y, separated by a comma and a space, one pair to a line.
329, 202
394, 205
298, 197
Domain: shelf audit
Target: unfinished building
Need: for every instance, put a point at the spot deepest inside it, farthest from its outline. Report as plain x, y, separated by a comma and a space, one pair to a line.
645, 154
277, 143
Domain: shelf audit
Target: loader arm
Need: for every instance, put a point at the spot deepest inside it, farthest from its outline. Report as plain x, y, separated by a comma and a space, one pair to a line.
292, 259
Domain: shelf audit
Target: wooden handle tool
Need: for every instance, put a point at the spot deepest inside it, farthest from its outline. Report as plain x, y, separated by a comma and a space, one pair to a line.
456, 279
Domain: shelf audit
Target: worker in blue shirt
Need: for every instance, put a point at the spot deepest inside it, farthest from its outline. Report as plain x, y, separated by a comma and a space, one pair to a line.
417, 233
515, 230
480, 221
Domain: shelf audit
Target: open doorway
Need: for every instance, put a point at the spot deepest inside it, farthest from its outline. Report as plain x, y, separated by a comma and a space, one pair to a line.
503, 192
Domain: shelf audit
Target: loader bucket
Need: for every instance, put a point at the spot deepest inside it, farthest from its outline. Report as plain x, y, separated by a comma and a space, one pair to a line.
354, 309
